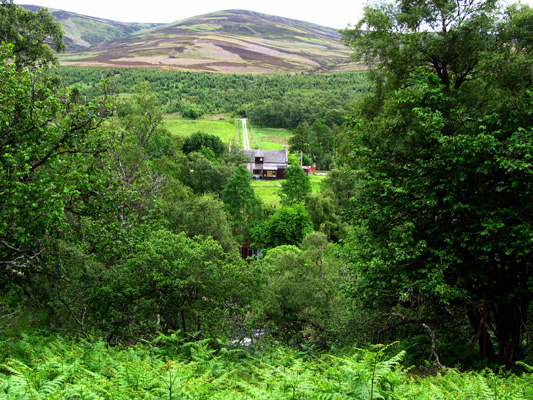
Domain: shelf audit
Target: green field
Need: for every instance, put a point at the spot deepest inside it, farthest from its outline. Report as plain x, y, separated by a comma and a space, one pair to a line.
225, 129
268, 191
229, 130
269, 138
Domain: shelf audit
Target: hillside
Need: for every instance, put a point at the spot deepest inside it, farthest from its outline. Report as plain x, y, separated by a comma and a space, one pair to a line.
232, 41
82, 31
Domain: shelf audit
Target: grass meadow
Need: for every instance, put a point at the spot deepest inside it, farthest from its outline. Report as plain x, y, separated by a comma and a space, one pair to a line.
229, 130
226, 129
269, 138
268, 191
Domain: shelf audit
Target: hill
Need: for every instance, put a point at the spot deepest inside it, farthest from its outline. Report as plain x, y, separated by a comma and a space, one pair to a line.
231, 41
82, 31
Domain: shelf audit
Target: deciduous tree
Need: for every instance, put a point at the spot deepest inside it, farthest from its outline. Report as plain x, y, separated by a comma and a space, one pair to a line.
302, 296
287, 226
50, 142
295, 187
35, 36
443, 149
242, 203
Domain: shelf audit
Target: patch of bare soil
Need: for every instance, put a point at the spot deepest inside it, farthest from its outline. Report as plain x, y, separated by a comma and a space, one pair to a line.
260, 57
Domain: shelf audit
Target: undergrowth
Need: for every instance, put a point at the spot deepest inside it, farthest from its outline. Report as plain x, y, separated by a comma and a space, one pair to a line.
168, 368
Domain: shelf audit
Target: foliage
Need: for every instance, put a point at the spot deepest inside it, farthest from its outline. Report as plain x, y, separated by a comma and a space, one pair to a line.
170, 282
317, 142
443, 156
140, 140
50, 142
200, 140
295, 187
44, 368
202, 174
342, 182
202, 215
278, 101
287, 226
31, 34
324, 215
108, 228
301, 301
192, 113
242, 204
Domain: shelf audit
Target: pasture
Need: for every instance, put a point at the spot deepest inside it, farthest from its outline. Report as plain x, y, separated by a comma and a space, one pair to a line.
229, 130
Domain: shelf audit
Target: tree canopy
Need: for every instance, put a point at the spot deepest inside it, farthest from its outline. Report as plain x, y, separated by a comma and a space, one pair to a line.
49, 142
287, 226
199, 140
35, 36
443, 149
241, 202
295, 187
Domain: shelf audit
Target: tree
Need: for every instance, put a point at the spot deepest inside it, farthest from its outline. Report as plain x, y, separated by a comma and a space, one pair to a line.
173, 282
50, 144
139, 140
203, 215
203, 175
443, 151
200, 140
316, 142
31, 33
287, 226
445, 36
301, 297
243, 205
295, 187
303, 139
323, 212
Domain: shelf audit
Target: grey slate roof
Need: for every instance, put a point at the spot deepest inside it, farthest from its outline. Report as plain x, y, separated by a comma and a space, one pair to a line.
269, 156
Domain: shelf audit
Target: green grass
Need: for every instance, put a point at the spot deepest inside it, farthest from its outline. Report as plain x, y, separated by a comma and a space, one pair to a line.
268, 191
228, 129
269, 138
316, 182
223, 128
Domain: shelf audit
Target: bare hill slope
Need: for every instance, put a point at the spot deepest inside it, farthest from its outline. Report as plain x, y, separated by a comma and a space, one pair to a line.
231, 41
82, 31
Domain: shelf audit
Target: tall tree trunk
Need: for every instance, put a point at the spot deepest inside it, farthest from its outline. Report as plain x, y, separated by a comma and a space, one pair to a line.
509, 321
478, 318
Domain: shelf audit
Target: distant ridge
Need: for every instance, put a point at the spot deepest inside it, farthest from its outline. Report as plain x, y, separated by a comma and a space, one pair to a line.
229, 41
82, 31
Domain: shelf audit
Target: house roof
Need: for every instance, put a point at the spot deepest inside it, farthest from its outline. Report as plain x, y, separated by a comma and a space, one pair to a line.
269, 156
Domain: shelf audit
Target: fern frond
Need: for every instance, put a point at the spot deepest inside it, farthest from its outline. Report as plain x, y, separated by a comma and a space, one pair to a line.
328, 396
527, 367
13, 367
55, 385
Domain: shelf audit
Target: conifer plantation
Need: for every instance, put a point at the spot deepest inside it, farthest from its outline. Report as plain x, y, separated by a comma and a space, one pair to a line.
139, 263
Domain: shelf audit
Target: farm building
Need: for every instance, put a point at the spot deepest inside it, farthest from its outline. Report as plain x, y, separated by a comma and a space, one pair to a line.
267, 164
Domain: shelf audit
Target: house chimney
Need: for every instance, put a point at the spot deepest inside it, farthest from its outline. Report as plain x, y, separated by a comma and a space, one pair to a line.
286, 152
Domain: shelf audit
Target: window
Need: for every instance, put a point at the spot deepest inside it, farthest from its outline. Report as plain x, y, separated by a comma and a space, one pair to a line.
258, 160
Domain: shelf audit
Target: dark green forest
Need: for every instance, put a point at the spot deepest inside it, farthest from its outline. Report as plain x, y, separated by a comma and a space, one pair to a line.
409, 275
313, 106
296, 98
